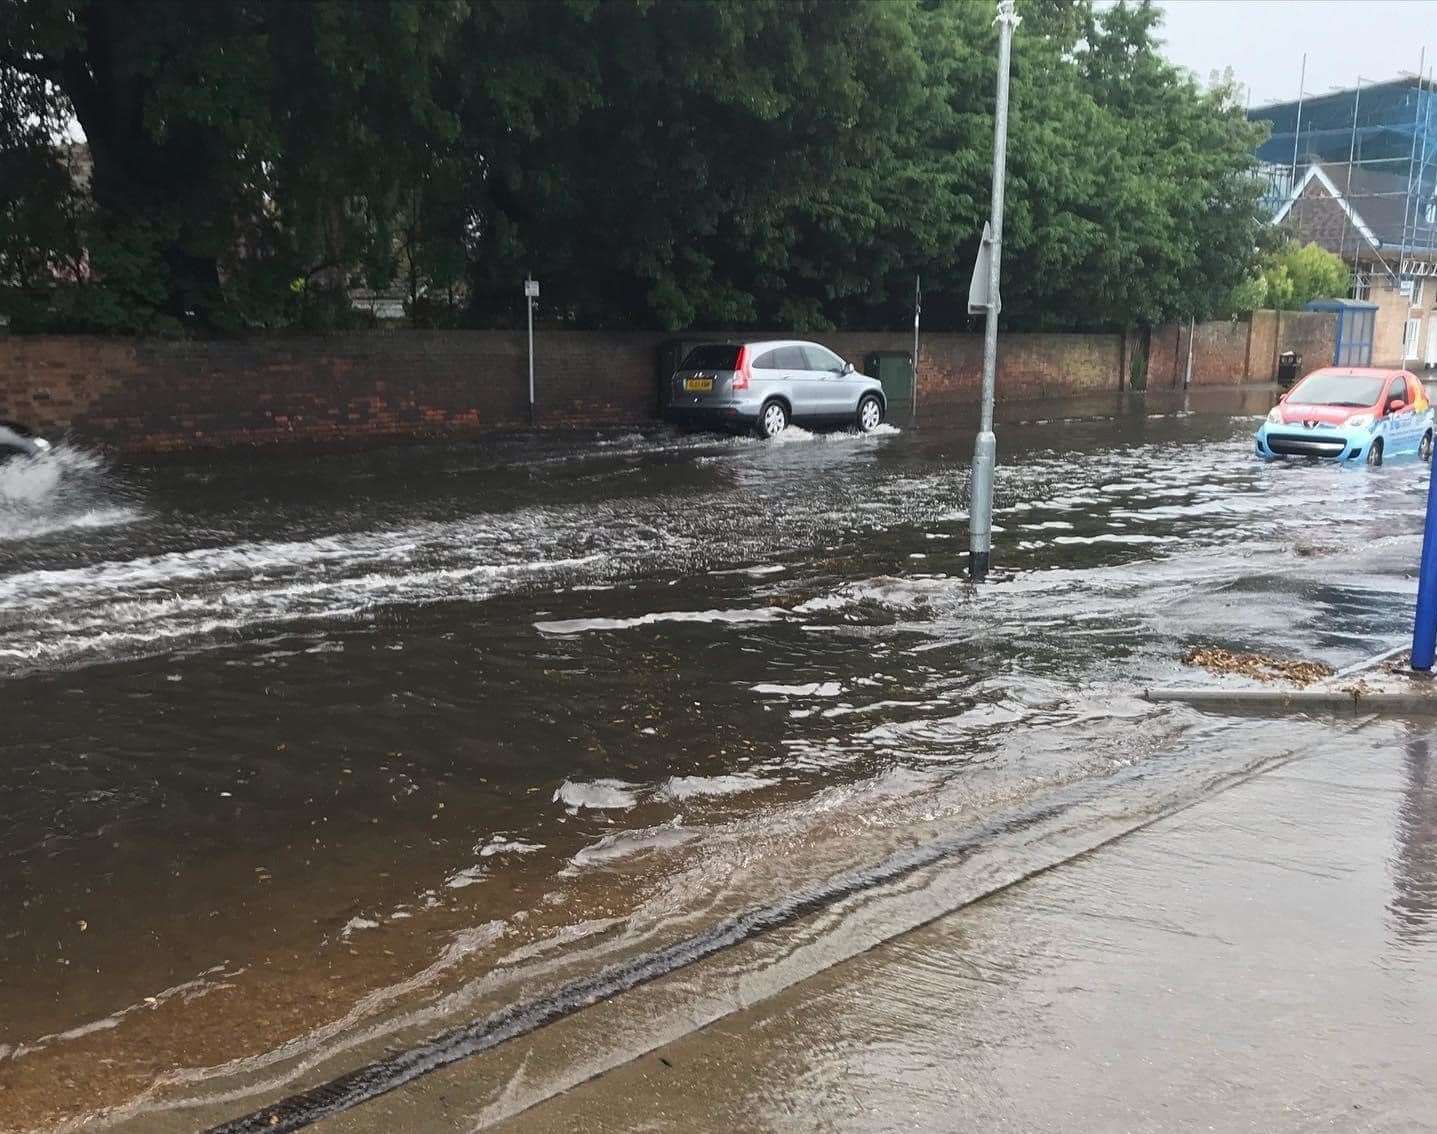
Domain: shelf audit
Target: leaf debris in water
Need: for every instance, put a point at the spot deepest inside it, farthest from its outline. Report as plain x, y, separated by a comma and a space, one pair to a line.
1260, 667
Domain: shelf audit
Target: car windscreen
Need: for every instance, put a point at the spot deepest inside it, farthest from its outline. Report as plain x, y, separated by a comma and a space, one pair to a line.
1337, 390
711, 356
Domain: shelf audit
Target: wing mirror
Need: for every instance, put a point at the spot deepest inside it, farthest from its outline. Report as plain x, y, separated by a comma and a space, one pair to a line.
1282, 397
847, 368
1396, 405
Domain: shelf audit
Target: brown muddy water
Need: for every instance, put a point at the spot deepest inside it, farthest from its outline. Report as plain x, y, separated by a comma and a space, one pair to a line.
304, 755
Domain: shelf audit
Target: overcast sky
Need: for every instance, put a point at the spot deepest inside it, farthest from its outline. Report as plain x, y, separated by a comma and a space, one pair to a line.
1263, 41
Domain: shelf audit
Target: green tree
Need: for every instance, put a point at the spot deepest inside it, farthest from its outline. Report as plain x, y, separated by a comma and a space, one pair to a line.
1313, 271
674, 163
236, 147
1288, 276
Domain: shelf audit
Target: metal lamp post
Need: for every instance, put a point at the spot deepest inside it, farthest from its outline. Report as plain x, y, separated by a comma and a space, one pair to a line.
531, 293
983, 296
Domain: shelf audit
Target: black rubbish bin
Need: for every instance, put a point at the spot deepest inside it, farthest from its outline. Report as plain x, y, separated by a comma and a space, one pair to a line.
1288, 363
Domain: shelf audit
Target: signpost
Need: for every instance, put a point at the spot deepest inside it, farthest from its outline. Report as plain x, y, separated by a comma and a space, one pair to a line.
983, 296
531, 293
1424, 625
917, 311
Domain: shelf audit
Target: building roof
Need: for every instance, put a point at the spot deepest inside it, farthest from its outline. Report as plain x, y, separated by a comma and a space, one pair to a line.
1337, 303
1339, 95
1377, 203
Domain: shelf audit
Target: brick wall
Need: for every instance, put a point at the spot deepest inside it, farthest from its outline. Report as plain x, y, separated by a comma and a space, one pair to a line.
1230, 353
157, 395
1219, 355
1313, 334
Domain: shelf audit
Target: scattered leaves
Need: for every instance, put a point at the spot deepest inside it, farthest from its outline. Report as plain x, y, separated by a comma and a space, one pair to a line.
1259, 667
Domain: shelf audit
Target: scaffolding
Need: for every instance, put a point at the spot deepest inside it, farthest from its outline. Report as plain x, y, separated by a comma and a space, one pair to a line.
1378, 144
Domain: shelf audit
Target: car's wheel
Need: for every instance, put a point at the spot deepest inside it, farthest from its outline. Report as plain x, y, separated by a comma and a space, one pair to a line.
1424, 450
1374, 454
772, 420
870, 413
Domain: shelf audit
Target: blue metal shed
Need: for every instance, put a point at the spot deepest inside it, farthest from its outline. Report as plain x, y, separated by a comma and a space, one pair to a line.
1356, 329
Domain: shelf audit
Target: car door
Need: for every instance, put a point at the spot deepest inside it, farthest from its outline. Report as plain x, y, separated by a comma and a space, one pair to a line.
838, 392
1421, 408
798, 384
1400, 424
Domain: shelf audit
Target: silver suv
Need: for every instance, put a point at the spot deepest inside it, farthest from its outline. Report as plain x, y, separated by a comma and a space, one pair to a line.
765, 385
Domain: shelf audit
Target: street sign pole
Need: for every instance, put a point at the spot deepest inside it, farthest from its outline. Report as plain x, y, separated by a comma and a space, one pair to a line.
1424, 625
917, 312
531, 292
985, 292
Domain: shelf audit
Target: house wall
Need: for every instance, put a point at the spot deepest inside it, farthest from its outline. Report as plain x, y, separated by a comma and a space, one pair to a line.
1393, 311
1317, 217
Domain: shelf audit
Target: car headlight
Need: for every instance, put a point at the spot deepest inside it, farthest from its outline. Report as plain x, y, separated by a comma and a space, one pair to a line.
1274, 415
1361, 421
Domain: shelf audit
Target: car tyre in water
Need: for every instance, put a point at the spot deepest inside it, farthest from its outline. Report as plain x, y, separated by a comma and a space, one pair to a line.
772, 420
870, 414
1374, 454
1424, 450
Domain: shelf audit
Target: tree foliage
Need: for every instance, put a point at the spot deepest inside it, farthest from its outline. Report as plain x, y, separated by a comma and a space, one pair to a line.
672, 163
1289, 275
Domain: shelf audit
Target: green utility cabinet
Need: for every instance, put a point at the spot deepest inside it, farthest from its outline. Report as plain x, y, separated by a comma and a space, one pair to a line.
894, 369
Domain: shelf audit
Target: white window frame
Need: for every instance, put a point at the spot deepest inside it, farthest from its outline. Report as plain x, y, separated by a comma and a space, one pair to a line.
1417, 292
1406, 288
1411, 333
1361, 285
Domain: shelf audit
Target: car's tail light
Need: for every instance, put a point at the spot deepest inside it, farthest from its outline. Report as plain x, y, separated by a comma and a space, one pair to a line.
740, 369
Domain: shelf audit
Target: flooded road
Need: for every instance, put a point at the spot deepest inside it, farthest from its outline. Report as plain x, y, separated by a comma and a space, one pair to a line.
308, 753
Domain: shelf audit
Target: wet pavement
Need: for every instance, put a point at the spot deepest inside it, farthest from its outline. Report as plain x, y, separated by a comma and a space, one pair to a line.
312, 755
1262, 961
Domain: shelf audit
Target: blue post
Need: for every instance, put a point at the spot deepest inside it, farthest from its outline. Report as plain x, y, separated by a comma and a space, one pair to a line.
1424, 626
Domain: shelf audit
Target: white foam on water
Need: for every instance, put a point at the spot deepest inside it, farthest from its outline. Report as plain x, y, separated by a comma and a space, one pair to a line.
500, 845
885, 591
65, 489
797, 434
1110, 537
584, 625
678, 788
355, 924
812, 689
626, 844
599, 795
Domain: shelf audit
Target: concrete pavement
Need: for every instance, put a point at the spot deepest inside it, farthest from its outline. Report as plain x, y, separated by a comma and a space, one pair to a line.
1263, 961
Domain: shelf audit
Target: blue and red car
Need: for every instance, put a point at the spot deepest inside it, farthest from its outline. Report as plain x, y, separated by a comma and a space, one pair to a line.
1350, 414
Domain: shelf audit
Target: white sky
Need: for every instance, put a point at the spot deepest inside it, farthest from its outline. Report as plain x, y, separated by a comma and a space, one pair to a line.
1263, 41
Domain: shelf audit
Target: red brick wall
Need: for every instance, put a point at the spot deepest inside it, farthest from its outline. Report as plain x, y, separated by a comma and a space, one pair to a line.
1230, 353
156, 395
1219, 355
1313, 334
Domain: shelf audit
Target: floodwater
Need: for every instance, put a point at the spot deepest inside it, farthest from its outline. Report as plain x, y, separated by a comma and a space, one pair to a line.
307, 754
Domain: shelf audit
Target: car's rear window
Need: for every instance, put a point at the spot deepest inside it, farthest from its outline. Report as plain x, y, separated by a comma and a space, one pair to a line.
711, 356
1337, 390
